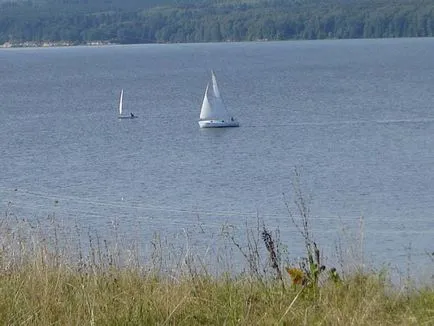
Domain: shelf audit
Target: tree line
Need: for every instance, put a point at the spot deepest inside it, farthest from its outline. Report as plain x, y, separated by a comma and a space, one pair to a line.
162, 21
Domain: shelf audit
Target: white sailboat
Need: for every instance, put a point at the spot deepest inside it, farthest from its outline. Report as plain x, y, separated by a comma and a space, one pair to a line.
213, 113
121, 116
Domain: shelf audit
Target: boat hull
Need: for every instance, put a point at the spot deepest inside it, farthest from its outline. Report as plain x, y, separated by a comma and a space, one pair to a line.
217, 124
127, 117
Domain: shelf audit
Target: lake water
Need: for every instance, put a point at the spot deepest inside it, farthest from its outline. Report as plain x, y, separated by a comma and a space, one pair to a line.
355, 118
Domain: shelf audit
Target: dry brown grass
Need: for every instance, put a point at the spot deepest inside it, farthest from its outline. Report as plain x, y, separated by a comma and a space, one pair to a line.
43, 281
39, 287
38, 294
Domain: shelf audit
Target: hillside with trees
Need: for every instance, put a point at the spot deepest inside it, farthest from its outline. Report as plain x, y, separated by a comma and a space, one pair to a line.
162, 21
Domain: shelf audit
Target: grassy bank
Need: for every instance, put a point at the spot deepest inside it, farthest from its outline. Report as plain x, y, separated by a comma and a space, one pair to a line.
39, 294
52, 275
42, 283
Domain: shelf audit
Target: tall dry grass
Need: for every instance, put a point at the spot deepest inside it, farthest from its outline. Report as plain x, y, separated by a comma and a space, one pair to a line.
46, 279
40, 294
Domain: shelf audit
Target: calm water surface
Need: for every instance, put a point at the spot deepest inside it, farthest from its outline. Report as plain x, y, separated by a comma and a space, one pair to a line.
355, 118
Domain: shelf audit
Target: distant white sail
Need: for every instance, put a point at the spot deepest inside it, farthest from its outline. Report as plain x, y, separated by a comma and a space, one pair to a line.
120, 102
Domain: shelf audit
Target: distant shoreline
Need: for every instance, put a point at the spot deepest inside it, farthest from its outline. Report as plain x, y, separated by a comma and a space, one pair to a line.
48, 44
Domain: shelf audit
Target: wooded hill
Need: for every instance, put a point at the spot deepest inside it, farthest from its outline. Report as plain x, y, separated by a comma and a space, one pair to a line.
160, 21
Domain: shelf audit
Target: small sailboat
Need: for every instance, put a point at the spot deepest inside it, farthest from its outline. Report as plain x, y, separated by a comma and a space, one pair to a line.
213, 113
121, 116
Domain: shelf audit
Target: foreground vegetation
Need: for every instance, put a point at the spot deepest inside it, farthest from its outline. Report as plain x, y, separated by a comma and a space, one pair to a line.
48, 276
161, 21
40, 294
46, 281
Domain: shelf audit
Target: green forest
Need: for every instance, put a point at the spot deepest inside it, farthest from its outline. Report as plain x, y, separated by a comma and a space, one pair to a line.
172, 21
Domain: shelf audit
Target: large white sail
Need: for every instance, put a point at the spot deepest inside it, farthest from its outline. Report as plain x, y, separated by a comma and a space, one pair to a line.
217, 101
212, 105
214, 85
206, 110
213, 113
120, 102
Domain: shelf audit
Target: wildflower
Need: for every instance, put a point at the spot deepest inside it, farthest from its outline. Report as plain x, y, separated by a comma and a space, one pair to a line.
296, 274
